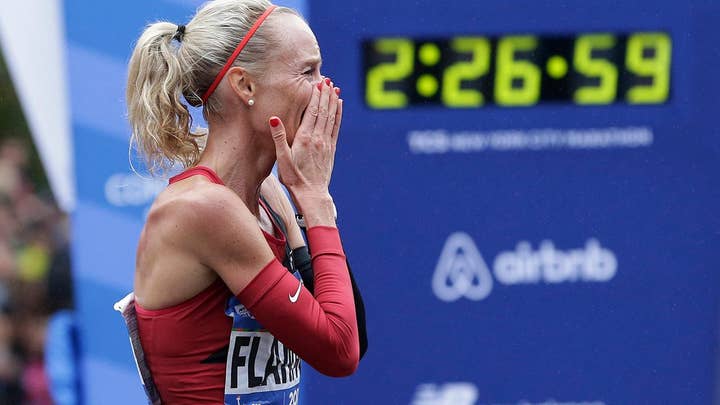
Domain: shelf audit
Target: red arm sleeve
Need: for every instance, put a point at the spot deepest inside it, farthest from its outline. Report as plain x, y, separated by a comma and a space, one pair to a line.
322, 330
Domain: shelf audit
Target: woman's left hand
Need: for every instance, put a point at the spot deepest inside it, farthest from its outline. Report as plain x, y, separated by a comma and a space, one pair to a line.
306, 168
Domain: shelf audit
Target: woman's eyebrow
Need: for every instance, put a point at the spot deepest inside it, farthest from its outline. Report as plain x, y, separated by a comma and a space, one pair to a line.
314, 60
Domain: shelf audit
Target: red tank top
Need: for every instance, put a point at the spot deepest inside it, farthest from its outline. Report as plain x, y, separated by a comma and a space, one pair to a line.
186, 345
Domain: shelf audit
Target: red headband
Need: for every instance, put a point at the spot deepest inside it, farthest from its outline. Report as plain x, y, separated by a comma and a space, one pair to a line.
235, 54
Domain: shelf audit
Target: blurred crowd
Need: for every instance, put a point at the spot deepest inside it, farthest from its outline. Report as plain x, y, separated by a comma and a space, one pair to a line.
35, 280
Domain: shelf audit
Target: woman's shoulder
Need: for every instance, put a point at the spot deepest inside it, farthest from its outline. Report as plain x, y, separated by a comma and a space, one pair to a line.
196, 206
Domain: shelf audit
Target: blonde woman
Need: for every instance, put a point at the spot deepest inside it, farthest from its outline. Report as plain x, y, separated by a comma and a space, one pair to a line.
218, 316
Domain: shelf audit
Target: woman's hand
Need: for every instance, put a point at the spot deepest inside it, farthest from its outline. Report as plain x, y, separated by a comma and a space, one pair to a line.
306, 168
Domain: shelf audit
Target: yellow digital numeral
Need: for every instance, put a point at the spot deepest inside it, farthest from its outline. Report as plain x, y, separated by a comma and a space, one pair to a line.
452, 93
508, 69
656, 66
401, 68
606, 91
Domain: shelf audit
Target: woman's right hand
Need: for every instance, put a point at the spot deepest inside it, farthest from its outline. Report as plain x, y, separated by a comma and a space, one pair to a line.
306, 167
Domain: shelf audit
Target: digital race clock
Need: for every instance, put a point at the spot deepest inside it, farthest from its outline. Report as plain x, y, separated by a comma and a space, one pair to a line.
517, 70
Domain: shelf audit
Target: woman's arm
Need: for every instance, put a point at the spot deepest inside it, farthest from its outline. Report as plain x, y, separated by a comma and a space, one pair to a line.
278, 201
303, 262
322, 329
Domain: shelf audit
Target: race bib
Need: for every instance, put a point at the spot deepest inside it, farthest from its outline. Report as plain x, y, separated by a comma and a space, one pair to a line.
259, 368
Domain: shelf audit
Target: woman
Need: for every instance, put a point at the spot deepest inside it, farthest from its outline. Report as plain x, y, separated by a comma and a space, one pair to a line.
218, 315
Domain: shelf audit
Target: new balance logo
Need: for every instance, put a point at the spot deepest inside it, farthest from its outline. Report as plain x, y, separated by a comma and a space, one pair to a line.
456, 393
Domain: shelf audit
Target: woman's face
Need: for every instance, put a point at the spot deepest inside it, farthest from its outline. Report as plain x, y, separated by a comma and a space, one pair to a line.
291, 75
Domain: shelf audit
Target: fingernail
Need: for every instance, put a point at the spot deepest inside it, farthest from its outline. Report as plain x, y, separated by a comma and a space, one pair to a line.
274, 122
328, 81
319, 86
337, 90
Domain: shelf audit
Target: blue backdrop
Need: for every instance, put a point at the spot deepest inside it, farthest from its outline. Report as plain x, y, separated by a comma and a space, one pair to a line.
549, 254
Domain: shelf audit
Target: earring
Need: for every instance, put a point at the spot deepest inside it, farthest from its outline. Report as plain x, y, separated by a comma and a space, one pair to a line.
251, 102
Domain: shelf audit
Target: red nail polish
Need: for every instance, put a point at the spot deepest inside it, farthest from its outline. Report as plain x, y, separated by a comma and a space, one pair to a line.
327, 81
274, 122
337, 90
319, 86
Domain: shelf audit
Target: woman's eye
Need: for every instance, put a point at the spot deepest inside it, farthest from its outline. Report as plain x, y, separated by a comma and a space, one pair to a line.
309, 72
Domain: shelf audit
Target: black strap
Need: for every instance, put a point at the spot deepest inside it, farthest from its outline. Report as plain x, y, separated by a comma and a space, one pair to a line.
283, 228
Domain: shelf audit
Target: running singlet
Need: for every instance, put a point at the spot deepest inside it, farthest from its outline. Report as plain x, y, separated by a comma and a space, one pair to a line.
211, 346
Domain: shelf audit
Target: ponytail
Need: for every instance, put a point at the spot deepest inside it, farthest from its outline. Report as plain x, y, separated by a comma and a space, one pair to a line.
160, 122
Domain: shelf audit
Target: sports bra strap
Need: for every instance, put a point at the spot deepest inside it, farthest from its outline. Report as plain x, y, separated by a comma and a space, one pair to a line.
198, 170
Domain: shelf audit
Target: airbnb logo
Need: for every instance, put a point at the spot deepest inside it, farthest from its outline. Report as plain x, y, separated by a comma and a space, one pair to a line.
462, 272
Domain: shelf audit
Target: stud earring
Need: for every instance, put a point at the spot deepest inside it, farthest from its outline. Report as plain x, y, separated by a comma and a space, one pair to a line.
251, 102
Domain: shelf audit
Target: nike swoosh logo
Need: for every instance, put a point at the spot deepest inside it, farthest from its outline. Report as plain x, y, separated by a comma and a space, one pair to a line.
294, 298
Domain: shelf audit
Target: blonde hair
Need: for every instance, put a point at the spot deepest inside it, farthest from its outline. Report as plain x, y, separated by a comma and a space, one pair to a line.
167, 65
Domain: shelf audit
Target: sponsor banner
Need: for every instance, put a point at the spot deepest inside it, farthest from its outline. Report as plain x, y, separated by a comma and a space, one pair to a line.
517, 214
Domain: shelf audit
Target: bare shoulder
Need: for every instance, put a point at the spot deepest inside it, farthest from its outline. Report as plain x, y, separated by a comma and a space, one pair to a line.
199, 212
210, 224
170, 266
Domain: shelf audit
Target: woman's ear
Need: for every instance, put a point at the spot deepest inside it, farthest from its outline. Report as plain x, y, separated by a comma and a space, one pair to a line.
241, 83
